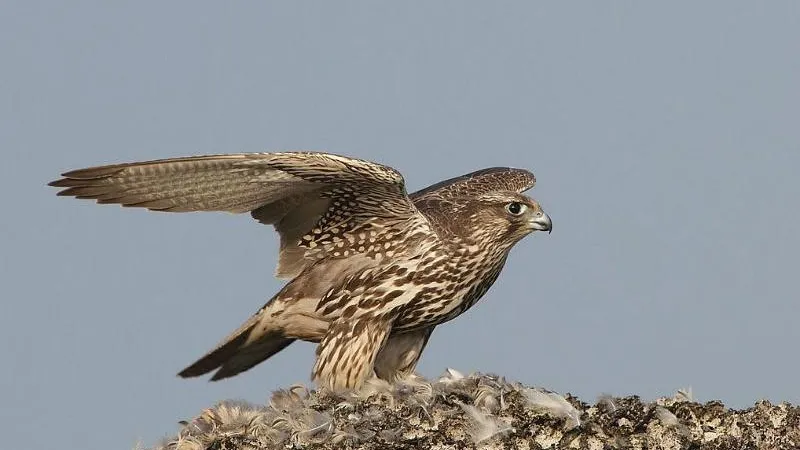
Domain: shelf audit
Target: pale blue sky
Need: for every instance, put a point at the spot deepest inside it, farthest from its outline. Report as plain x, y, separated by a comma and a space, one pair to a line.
665, 139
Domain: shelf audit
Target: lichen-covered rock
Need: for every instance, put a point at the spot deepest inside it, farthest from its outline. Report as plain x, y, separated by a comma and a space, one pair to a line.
484, 412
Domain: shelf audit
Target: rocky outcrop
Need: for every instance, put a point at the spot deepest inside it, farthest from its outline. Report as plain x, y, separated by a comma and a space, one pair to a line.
483, 412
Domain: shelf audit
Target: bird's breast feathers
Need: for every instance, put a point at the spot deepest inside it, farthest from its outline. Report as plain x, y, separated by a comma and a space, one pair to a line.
420, 291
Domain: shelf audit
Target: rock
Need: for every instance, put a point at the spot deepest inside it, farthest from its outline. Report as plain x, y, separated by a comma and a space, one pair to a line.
483, 412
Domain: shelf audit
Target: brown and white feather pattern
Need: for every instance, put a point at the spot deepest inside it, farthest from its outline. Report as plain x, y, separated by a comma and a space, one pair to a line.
371, 269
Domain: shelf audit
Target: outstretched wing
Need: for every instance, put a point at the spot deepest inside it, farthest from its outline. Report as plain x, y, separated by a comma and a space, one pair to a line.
314, 200
479, 182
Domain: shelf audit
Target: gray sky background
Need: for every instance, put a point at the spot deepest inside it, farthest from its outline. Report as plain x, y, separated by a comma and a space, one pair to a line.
665, 139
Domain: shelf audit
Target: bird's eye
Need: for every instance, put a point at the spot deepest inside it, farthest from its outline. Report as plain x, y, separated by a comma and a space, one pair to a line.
515, 208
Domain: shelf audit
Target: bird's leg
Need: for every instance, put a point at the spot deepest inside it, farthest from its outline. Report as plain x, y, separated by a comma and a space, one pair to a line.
346, 355
399, 356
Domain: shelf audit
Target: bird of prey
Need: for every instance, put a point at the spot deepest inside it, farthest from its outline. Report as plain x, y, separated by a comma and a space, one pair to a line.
371, 269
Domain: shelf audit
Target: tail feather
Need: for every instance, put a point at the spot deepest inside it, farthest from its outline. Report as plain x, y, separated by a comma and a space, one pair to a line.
252, 354
215, 358
240, 351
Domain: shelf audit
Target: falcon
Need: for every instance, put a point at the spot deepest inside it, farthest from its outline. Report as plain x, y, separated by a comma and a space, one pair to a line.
371, 270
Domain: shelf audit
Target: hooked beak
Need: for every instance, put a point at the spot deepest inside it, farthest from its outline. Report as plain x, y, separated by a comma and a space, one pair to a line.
542, 222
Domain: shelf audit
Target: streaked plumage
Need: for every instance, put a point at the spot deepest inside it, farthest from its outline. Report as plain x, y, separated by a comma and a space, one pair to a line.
371, 269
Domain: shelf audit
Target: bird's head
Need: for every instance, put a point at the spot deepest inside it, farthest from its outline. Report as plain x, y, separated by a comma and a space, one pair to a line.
506, 217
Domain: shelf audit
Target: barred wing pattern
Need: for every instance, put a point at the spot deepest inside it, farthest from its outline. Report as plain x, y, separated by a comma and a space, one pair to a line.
312, 199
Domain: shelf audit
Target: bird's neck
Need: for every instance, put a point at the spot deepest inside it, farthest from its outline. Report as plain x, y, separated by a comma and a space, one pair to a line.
484, 251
